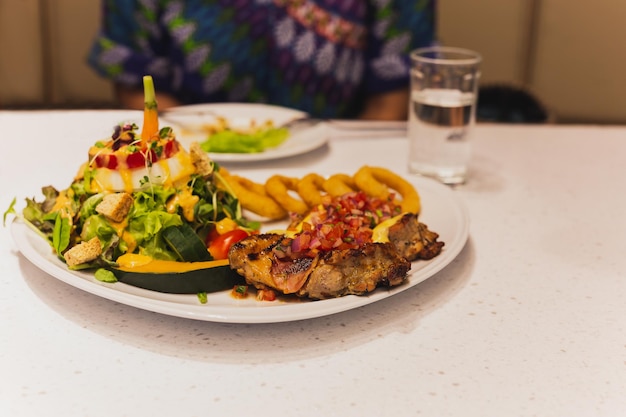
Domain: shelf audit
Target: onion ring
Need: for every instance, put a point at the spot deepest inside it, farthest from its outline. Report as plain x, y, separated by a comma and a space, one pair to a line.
309, 188
377, 182
278, 187
253, 197
339, 184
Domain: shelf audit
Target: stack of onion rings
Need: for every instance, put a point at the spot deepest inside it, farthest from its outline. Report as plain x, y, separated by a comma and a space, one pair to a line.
281, 195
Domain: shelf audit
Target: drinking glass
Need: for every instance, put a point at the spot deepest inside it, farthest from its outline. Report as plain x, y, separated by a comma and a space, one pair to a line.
442, 111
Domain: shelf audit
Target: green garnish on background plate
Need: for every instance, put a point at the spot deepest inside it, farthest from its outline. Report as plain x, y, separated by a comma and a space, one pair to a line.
254, 141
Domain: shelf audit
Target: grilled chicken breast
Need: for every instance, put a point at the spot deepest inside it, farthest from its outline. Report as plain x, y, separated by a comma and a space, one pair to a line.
261, 260
355, 271
326, 274
413, 240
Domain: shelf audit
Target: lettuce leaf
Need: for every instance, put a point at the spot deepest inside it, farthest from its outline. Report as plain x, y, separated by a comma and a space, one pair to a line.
89, 207
143, 228
230, 141
98, 226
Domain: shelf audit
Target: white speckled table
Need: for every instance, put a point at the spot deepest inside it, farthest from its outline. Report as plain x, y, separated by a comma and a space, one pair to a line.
528, 320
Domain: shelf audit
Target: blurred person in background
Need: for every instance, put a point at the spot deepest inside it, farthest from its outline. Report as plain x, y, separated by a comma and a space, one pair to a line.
329, 58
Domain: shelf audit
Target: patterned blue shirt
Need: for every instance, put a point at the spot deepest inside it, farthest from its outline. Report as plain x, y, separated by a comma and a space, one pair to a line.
324, 57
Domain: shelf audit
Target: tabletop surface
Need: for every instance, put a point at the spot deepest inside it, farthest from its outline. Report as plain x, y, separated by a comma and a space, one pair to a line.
528, 320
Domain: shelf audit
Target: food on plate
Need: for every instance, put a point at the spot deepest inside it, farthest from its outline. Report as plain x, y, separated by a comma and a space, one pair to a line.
127, 161
310, 188
339, 184
175, 277
254, 197
278, 187
115, 206
142, 195
281, 195
225, 138
219, 244
411, 238
346, 245
327, 274
84, 252
377, 182
145, 211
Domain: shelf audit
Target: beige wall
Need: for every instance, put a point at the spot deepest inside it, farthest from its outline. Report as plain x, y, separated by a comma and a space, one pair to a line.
580, 59
500, 35
73, 24
568, 53
43, 48
21, 66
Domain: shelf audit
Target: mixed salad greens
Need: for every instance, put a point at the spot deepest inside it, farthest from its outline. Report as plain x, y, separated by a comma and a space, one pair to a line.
165, 219
77, 220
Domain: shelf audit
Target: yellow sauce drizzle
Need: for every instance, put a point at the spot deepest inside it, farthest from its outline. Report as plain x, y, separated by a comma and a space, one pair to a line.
185, 200
126, 236
127, 179
133, 262
63, 204
380, 234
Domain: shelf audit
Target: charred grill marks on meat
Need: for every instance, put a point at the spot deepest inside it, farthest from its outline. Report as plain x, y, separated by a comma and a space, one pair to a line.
355, 271
261, 260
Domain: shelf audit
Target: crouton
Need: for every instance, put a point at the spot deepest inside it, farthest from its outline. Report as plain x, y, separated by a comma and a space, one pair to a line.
83, 252
115, 206
200, 160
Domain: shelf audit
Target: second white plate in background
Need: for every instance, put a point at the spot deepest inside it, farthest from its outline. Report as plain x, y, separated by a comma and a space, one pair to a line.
188, 122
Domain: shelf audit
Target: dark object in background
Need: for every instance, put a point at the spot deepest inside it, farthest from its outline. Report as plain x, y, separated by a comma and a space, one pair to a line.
505, 104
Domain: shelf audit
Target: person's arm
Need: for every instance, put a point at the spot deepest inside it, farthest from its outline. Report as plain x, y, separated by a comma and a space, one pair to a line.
387, 106
132, 98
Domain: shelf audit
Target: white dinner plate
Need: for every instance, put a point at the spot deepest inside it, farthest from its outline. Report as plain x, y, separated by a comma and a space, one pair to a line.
442, 211
187, 122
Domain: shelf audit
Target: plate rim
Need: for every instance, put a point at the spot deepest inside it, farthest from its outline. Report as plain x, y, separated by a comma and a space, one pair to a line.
258, 314
209, 106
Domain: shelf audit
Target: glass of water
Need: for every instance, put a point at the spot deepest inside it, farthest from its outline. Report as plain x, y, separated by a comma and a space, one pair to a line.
442, 111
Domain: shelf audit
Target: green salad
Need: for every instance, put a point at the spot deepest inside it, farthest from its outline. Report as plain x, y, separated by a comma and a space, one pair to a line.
145, 229
140, 193
254, 140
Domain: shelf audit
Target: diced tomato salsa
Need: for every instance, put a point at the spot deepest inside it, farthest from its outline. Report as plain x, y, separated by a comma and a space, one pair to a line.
340, 223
